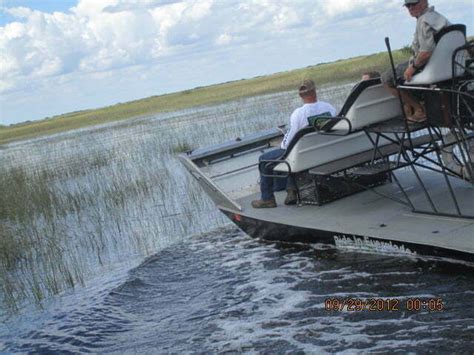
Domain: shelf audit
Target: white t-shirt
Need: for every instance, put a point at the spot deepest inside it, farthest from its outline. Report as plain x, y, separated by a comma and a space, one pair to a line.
299, 118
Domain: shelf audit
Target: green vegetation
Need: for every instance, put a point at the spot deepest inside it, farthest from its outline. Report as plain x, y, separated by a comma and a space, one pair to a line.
23, 242
181, 147
72, 208
339, 71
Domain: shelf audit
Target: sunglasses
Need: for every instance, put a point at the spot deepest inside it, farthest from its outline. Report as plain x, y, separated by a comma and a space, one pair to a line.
411, 5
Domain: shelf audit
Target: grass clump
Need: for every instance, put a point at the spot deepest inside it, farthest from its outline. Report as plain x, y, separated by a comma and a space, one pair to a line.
19, 198
181, 147
10, 247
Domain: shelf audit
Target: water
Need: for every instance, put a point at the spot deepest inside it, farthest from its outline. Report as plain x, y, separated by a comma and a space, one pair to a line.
223, 291
111, 246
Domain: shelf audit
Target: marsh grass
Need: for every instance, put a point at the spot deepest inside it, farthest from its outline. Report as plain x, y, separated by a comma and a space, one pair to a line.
10, 248
181, 147
329, 73
18, 198
71, 206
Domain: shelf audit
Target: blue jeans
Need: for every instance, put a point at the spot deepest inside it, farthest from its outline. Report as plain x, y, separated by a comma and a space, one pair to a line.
270, 184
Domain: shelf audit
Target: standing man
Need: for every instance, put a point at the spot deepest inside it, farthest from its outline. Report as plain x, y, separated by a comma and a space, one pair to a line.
428, 23
299, 119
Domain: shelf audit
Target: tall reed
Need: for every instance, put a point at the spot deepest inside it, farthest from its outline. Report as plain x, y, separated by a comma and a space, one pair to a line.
83, 203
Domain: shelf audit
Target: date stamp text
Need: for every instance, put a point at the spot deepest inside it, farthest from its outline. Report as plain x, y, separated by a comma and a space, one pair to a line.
336, 304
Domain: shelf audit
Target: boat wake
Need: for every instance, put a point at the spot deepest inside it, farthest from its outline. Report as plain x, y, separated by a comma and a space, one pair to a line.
223, 291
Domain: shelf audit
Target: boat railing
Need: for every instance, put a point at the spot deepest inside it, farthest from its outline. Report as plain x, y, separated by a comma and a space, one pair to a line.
449, 150
395, 144
267, 165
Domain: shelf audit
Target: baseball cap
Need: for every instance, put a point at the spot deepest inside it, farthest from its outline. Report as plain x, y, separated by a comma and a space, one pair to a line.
306, 86
411, 2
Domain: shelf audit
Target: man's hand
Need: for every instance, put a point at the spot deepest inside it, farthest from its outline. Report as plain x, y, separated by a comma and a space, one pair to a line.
420, 61
409, 73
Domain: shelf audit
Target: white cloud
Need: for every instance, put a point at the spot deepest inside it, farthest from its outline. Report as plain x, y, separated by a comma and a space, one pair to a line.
335, 8
20, 12
93, 8
98, 35
224, 39
229, 38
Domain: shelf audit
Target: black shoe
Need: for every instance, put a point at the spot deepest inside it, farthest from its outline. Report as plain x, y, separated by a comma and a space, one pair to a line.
291, 197
264, 203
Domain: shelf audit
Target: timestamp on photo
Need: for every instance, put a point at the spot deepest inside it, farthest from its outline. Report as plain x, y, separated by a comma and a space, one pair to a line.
384, 304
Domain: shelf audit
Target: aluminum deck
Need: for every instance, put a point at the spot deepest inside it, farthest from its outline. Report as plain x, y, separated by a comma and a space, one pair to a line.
370, 215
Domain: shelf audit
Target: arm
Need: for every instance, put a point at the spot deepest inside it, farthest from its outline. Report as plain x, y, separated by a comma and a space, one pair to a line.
420, 60
291, 131
427, 45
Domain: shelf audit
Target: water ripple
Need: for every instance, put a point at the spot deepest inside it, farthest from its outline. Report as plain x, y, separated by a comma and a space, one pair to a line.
222, 291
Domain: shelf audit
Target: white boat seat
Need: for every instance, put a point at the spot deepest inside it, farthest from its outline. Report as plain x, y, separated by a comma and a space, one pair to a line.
440, 65
366, 156
367, 104
313, 149
371, 105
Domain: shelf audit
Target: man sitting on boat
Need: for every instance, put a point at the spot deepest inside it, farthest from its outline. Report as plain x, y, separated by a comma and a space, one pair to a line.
370, 75
428, 23
298, 120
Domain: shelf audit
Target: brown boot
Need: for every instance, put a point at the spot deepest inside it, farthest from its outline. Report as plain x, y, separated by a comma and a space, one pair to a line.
264, 203
418, 116
291, 197
408, 110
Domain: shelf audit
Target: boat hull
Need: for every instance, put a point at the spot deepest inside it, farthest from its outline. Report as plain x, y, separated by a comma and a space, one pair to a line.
377, 220
274, 231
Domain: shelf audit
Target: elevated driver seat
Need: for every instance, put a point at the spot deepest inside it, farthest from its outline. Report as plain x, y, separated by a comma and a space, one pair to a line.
440, 66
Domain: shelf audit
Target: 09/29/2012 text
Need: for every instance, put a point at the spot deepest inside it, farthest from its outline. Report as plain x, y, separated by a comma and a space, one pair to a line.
384, 304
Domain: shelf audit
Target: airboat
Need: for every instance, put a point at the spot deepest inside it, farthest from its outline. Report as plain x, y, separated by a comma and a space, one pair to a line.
367, 180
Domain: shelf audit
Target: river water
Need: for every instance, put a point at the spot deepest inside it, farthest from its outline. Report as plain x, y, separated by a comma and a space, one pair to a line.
120, 251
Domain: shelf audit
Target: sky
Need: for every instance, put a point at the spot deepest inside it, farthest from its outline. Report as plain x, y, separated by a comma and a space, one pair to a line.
59, 56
